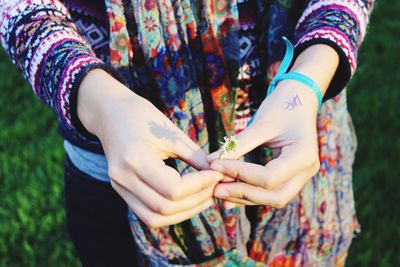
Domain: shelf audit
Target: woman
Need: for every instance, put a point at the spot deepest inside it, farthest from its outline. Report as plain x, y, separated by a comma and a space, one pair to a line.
204, 67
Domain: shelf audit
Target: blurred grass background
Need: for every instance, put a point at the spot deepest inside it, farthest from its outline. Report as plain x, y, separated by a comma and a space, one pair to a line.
31, 155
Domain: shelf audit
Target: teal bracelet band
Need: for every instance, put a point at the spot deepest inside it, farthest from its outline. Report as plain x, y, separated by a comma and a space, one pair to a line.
282, 75
300, 78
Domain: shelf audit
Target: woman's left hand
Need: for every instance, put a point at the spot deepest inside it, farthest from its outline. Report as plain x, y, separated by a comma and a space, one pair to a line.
285, 121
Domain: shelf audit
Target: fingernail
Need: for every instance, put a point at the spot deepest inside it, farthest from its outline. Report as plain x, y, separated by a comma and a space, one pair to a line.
221, 193
217, 167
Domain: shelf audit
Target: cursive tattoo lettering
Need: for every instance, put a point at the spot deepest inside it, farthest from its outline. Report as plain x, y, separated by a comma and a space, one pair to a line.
292, 103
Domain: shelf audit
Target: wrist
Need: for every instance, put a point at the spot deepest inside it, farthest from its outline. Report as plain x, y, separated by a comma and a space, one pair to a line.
319, 63
96, 92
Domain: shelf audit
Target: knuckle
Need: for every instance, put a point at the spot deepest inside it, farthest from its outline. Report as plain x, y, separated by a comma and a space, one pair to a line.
164, 209
174, 193
235, 193
242, 170
234, 172
114, 185
310, 159
115, 171
243, 195
267, 182
151, 222
131, 157
280, 203
316, 167
279, 206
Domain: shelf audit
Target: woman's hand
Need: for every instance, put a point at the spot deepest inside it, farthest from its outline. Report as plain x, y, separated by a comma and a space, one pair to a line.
136, 138
285, 122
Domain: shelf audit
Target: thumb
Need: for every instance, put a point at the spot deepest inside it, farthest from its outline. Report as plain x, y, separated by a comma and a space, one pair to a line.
190, 152
173, 142
248, 139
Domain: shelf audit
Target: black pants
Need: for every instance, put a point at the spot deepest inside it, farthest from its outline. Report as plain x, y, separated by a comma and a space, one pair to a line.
97, 221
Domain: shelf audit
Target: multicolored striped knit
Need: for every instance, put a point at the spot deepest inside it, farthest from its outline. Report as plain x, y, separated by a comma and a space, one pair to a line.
56, 43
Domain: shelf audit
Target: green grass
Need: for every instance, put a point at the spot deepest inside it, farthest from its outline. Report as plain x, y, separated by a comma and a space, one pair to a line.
31, 177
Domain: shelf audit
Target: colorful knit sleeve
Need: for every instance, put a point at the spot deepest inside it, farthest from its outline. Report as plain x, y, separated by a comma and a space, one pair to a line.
342, 24
44, 44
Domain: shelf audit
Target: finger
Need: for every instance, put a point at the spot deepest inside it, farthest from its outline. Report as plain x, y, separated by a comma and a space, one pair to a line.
248, 139
168, 182
192, 182
276, 198
228, 179
190, 152
175, 143
290, 162
154, 220
157, 202
236, 169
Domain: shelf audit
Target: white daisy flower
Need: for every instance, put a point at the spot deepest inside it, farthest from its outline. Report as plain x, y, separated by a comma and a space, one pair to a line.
230, 145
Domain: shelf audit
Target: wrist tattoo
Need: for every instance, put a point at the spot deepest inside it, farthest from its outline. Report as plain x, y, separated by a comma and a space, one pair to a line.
292, 103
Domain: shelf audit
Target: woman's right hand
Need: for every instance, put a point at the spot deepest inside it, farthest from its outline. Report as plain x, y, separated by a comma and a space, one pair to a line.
136, 138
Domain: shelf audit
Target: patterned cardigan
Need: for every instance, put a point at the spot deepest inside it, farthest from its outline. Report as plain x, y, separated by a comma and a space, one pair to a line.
43, 41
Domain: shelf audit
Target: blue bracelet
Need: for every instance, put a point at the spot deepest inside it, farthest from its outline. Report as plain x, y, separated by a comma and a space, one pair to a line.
282, 75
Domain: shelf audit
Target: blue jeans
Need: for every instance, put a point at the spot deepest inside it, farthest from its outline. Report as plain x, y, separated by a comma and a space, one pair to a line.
97, 221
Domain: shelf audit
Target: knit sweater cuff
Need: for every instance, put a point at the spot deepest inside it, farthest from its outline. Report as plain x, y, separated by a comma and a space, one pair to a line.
44, 44
343, 73
340, 24
72, 116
